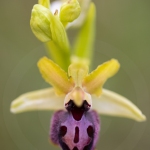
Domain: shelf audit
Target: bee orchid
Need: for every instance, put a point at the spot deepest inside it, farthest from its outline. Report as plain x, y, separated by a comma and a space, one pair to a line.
77, 96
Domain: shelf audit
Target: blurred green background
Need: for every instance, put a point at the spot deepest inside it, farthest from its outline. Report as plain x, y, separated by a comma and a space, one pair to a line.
123, 32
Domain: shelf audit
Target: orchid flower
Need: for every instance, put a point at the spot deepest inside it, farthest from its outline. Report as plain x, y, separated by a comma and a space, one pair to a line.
80, 93
77, 95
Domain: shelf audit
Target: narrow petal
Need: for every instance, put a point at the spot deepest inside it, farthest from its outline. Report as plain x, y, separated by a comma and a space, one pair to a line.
44, 99
55, 76
113, 104
94, 81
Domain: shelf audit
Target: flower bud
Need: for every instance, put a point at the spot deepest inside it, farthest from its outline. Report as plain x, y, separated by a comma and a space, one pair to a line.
84, 4
40, 23
58, 32
69, 11
45, 3
47, 26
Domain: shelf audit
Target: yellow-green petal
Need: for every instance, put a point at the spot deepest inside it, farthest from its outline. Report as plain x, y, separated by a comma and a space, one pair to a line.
55, 76
44, 99
113, 104
94, 81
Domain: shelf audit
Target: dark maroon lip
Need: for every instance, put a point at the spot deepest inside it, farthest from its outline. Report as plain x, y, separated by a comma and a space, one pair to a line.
77, 112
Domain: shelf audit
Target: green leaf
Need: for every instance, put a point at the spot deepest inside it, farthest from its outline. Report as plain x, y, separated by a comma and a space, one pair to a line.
83, 46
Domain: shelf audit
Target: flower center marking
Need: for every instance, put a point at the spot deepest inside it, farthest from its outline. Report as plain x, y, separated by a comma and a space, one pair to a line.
77, 112
63, 130
76, 137
90, 131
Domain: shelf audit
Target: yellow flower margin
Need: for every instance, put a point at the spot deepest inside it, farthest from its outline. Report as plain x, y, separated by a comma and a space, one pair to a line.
78, 85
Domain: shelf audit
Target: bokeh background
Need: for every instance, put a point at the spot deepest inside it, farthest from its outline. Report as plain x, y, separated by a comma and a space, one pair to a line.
123, 32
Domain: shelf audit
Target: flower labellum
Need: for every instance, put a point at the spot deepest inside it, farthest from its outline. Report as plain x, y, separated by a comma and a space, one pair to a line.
75, 129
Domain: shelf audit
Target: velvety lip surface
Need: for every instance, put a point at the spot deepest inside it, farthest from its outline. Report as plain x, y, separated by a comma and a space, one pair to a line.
77, 112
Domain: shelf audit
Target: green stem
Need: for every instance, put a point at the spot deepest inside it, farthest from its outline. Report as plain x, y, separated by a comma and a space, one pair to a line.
59, 55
